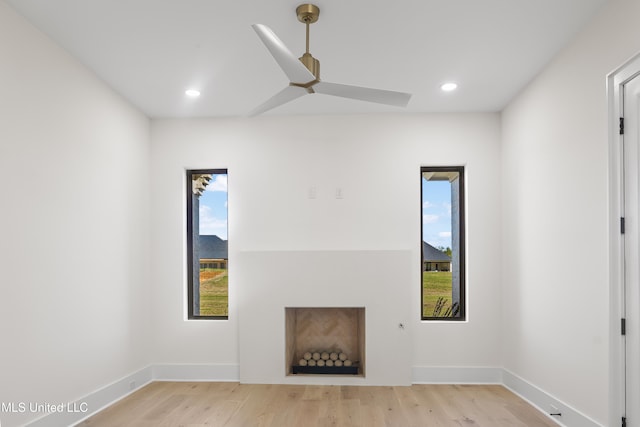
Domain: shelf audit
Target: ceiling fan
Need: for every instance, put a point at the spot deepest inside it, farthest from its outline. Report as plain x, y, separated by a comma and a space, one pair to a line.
304, 72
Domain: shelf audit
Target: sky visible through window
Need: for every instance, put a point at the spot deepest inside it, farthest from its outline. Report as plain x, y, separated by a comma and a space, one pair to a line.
436, 213
213, 207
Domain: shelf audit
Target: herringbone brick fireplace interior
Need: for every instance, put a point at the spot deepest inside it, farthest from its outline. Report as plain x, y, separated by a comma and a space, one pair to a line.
325, 329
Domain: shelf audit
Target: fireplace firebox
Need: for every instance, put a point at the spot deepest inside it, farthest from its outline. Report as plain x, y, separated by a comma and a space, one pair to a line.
325, 341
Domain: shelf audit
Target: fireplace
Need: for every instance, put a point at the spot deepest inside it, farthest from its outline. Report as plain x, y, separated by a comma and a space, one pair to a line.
277, 290
325, 341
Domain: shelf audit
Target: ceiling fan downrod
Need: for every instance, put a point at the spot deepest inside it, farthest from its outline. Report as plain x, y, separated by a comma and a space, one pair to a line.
308, 14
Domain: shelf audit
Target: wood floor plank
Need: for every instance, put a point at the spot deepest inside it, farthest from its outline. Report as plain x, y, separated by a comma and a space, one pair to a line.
373, 416
185, 404
416, 412
253, 400
386, 398
307, 413
435, 416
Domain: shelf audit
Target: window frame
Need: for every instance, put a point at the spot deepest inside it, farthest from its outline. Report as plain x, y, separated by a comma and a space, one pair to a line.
462, 316
189, 230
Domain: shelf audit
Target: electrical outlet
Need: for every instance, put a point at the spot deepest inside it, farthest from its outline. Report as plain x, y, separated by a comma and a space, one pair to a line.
312, 193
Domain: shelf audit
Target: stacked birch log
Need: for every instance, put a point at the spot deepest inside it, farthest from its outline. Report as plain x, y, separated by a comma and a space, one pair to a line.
325, 358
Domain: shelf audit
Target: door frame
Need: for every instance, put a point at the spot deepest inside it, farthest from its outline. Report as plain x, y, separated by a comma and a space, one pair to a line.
615, 91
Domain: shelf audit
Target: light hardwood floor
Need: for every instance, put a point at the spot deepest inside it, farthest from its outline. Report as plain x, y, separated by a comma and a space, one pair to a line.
194, 404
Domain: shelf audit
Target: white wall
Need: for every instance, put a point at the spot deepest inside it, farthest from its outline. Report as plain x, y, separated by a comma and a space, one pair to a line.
555, 202
375, 159
73, 226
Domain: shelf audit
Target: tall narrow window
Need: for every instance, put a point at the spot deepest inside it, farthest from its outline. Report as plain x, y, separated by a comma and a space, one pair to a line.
207, 244
442, 267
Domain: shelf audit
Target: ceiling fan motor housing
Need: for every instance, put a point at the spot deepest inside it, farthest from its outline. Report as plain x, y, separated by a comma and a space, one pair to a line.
312, 64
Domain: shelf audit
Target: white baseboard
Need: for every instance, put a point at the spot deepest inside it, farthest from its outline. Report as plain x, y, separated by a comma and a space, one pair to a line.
543, 401
456, 375
100, 399
78, 410
176, 372
540, 399
92, 403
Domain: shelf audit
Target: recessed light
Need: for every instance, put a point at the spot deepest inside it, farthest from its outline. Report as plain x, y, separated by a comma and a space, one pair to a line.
192, 93
448, 87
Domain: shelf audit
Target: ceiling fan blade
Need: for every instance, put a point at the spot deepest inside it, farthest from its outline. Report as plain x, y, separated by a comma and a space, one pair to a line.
287, 94
292, 67
399, 99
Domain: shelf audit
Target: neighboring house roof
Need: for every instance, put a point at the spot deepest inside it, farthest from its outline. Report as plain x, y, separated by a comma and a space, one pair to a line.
212, 247
431, 254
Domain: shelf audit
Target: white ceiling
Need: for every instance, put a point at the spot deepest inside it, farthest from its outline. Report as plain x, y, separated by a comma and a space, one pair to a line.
150, 51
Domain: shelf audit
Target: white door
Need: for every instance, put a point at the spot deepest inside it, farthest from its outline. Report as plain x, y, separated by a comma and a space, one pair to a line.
631, 141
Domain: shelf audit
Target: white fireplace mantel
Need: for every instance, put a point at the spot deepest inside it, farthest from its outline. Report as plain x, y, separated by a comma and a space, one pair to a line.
380, 281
